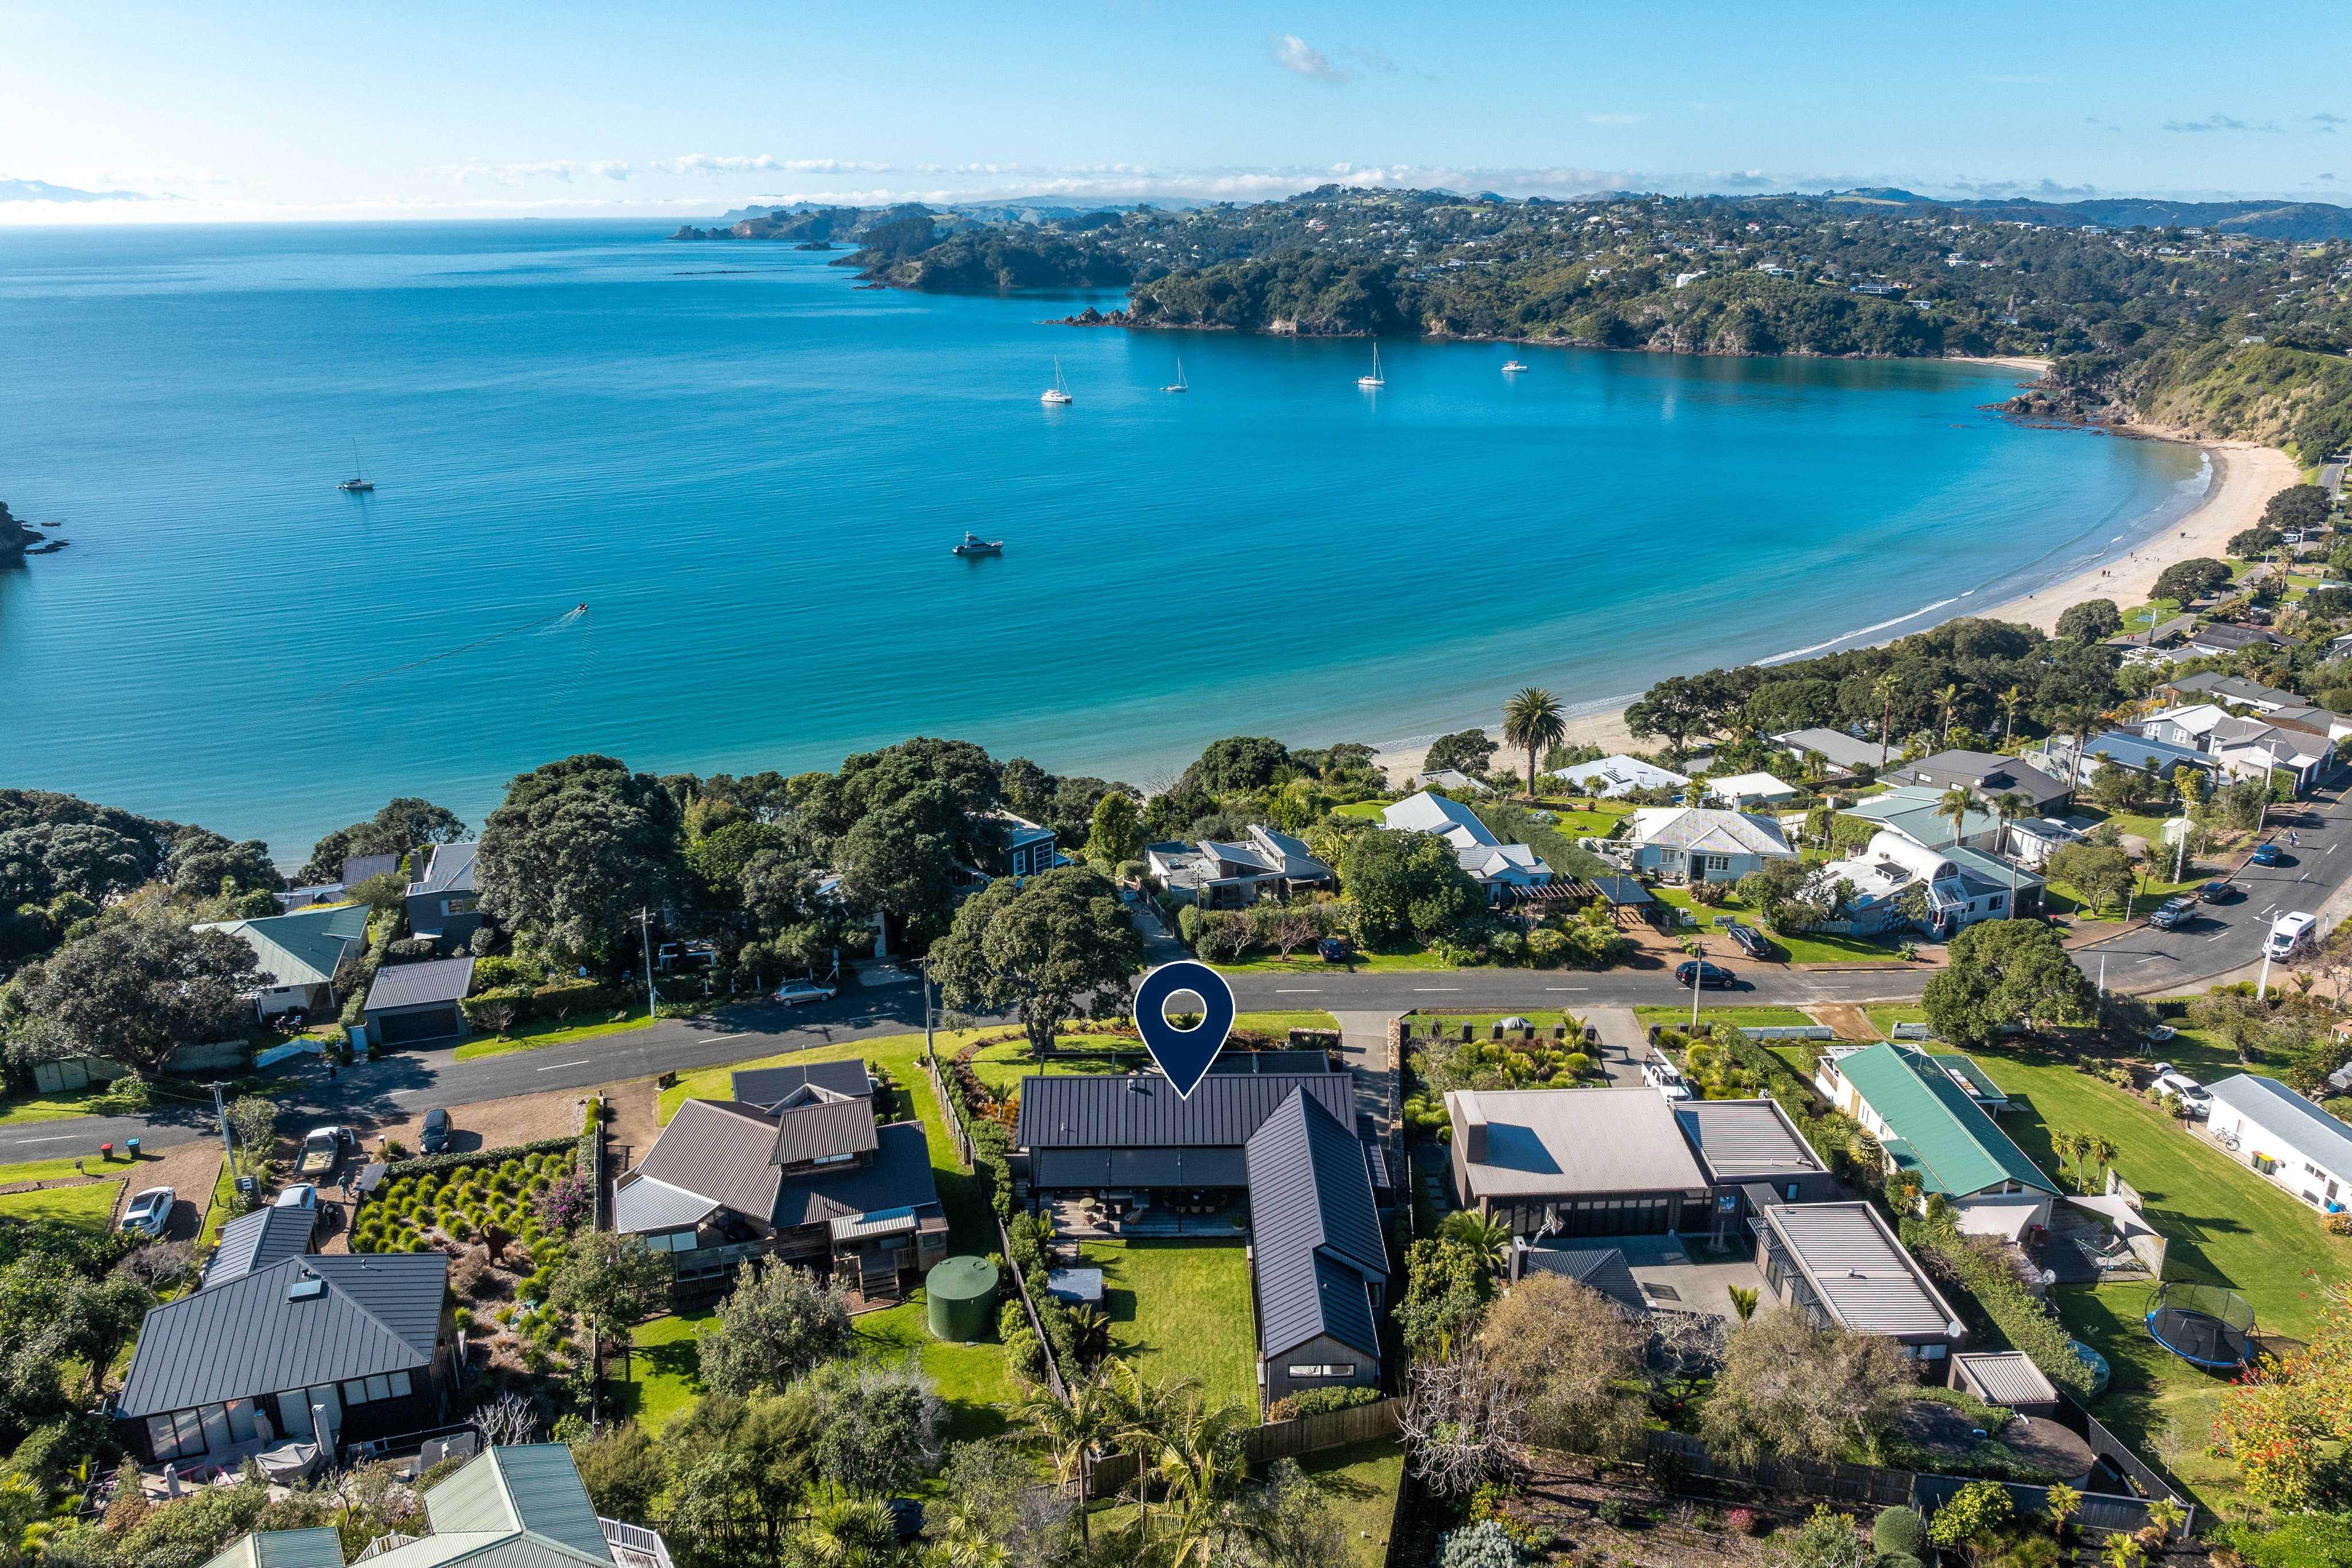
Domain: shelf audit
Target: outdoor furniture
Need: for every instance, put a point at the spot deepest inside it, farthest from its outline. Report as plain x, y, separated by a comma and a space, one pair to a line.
288, 1462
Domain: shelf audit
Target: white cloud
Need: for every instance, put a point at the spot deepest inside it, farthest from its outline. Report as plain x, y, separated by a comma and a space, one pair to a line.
2216, 121
622, 169
1296, 56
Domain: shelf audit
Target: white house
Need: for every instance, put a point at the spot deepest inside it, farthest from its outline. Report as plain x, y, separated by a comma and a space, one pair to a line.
1613, 776
1495, 866
2284, 1137
1741, 791
1687, 841
1963, 885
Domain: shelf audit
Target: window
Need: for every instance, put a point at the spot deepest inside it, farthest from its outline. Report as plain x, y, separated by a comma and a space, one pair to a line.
1792, 1191
1334, 1369
464, 906
1995, 902
672, 1241
832, 1159
175, 1435
369, 1390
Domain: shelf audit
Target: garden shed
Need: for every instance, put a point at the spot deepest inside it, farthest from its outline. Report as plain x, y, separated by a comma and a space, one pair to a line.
413, 1003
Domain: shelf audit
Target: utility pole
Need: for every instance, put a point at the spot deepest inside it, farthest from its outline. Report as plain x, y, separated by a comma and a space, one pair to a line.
644, 932
2103, 991
221, 1112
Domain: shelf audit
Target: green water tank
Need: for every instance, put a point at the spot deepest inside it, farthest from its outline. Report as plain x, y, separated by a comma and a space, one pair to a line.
962, 1296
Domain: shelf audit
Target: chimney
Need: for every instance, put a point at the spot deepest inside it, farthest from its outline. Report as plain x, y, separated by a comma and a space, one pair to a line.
1473, 1123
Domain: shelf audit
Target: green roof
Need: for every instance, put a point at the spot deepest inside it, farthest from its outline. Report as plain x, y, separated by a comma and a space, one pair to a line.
302, 948
1965, 1067
1952, 1144
316, 1548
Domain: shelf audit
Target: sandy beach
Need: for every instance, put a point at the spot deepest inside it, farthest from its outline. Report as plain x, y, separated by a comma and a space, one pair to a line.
2245, 477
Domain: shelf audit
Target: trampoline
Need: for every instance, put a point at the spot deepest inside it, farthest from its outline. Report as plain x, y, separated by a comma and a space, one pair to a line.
2206, 1326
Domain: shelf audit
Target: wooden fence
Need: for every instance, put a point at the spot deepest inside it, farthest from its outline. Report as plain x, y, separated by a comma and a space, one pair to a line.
1275, 1440
948, 1109
1036, 1326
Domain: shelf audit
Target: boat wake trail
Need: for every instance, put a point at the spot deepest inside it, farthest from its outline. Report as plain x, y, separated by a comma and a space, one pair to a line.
543, 625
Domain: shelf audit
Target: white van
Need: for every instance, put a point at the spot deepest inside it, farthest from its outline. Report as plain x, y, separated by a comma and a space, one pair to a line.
2288, 932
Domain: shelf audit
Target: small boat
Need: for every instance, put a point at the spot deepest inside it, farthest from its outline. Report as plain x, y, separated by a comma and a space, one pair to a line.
1179, 386
974, 544
1514, 368
1059, 392
1375, 379
359, 483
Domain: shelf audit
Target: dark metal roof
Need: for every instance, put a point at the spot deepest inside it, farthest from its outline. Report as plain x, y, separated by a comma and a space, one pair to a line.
725, 1151
381, 1312
899, 1177
1602, 1267
831, 1127
1143, 1110
412, 984
1739, 1139
765, 1086
719, 1148
450, 869
1293, 1062
255, 1241
1139, 1168
1315, 1235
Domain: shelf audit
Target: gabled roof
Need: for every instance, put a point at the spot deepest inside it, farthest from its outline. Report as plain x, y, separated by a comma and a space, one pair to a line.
1861, 1273
1957, 1149
257, 1240
1297, 861
898, 1178
409, 985
1620, 775
511, 1508
2289, 1116
1740, 1139
448, 868
1315, 1237
823, 1131
2235, 689
642, 1203
1912, 810
718, 1149
724, 1153
322, 1547
766, 1086
1706, 831
302, 948
1427, 813
381, 1312
1067, 1111
1839, 747
1603, 1269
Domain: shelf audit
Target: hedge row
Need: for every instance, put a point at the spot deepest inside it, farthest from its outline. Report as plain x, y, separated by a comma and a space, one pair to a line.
455, 1160
2029, 1325
565, 1002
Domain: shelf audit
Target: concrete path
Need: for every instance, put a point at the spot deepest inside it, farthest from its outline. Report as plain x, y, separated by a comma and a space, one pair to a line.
1623, 1039
1364, 1044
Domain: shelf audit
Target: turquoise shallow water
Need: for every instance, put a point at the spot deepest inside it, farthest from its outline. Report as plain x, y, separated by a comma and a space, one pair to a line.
750, 470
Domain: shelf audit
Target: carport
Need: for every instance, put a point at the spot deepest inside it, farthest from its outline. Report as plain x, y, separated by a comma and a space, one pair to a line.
413, 1003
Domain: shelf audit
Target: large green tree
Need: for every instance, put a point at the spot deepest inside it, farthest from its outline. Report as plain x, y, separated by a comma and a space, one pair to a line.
578, 847
1239, 764
739, 1472
613, 1281
1116, 831
1408, 886
1788, 1389
1055, 947
403, 824
897, 822
776, 1323
2001, 973
2092, 620
1534, 722
133, 993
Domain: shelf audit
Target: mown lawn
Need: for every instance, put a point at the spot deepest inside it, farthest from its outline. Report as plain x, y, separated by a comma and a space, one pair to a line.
1800, 947
1727, 1017
1359, 1482
90, 1205
541, 1032
664, 1370
52, 1170
980, 1392
1182, 1309
46, 1107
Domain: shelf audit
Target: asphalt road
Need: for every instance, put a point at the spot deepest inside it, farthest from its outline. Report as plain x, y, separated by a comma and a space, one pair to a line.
2314, 874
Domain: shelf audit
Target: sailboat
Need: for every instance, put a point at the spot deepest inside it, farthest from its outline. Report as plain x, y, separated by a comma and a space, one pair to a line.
1375, 379
1059, 392
1179, 386
358, 482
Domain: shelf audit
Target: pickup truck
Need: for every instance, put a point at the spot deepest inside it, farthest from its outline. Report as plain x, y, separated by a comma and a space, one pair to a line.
323, 1151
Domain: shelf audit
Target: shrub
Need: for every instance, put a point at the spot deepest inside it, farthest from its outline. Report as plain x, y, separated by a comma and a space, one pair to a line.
1484, 1544
1741, 1521
1612, 1511
1316, 1401
1899, 1530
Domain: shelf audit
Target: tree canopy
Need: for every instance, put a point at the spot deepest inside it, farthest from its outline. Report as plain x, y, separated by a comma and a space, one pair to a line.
1058, 946
578, 847
1408, 885
402, 824
2092, 620
2001, 973
135, 993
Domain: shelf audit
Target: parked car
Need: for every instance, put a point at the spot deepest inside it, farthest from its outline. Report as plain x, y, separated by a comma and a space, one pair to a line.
2173, 912
1703, 973
1661, 1076
2192, 1093
2265, 855
149, 1212
297, 1196
2288, 932
1751, 941
434, 1136
793, 992
1334, 950
323, 1151
2218, 893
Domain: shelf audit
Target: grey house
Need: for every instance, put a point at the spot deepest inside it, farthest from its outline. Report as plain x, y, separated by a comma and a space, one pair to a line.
262, 1239
1752, 1156
771, 1087
1134, 1142
1989, 776
1840, 1263
1318, 1263
410, 1003
360, 1342
441, 900
1574, 1163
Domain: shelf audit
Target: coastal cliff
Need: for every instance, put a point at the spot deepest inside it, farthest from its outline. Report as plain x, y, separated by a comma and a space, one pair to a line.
15, 538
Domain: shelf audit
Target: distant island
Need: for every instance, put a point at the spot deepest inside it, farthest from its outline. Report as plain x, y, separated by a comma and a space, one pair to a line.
2207, 319
18, 540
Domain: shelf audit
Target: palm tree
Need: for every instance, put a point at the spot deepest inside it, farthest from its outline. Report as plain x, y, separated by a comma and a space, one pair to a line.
1533, 720
2078, 722
2062, 1501
1947, 698
1743, 1299
2100, 1150
1139, 1410
1198, 1459
853, 1535
2011, 700
1956, 804
2068, 1145
2166, 1514
1885, 688
1071, 1431
1484, 1234
2007, 807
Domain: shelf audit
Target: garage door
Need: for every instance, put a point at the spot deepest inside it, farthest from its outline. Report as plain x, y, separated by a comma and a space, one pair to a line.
431, 1023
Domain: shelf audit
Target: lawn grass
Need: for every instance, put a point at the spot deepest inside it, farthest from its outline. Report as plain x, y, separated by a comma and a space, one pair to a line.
1730, 1018
1359, 1482
48, 1107
1801, 947
980, 1390
90, 1205
1283, 1022
51, 1170
1369, 810
664, 1370
219, 1209
1304, 961
2146, 617
1182, 1309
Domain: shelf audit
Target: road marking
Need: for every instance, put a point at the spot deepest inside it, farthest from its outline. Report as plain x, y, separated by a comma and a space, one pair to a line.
2217, 936
552, 1066
1567, 987
65, 1138
714, 1039
1299, 991
2329, 850
1419, 990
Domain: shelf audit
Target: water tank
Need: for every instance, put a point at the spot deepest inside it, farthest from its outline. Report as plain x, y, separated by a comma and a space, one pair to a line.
962, 1296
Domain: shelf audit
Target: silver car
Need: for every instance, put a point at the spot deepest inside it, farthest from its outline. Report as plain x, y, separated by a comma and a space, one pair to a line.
150, 1212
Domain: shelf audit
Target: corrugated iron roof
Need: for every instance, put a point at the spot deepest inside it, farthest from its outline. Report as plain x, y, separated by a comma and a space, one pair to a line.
889, 1222
1859, 1270
2008, 1377
1314, 1237
2288, 1117
1959, 1149
257, 1240
449, 870
531, 1486
1065, 1111
898, 1177
1738, 1139
302, 948
828, 1130
641, 1203
765, 1086
1561, 1142
322, 1547
410, 984
1603, 1269
720, 1150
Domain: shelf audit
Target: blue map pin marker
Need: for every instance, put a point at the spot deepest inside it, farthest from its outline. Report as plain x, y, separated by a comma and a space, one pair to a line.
1184, 1055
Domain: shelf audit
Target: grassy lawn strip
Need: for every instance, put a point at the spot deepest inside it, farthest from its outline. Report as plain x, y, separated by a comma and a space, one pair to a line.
664, 1370
1182, 1309
90, 1205
1800, 947
980, 1393
548, 1032
219, 1209
48, 1107
1359, 1481
1728, 1017
1304, 961
56, 1170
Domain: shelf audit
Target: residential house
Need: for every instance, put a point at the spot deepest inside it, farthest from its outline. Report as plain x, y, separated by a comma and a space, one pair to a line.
1575, 1162
2221, 638
320, 1546
1750, 1156
442, 904
361, 1345
1602, 1268
298, 953
1497, 867
1612, 777
262, 1239
1319, 1258
1840, 1263
1956, 887
1684, 843
508, 1507
1218, 875
810, 1179
2284, 1137
2232, 688
1916, 812
1153, 1161
1450, 778
409, 1004
1025, 848
1837, 748
2242, 748
1741, 791
771, 1089
358, 868
2155, 740
1931, 1125
1986, 774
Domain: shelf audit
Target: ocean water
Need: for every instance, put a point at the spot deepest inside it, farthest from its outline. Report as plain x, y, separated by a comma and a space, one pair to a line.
750, 472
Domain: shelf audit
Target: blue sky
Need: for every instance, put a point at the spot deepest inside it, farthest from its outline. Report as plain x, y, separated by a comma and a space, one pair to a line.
486, 109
